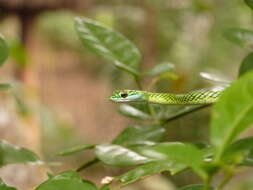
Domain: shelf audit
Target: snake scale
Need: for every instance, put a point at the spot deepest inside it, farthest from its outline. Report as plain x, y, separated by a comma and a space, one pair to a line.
203, 96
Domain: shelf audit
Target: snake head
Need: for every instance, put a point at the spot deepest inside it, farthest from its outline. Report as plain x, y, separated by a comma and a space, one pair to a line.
127, 96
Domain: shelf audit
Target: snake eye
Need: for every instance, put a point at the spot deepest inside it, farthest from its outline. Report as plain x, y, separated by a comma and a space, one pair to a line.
123, 95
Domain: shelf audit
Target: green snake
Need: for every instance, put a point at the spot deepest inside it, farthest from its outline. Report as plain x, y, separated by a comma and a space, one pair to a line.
203, 96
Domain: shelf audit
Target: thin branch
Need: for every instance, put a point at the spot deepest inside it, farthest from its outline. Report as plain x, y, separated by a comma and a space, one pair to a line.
224, 182
87, 164
185, 112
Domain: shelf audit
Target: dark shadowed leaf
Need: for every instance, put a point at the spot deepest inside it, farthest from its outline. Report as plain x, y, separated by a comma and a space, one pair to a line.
195, 187
3, 50
177, 153
109, 44
133, 112
76, 149
5, 86
149, 169
246, 65
239, 36
232, 114
10, 154
5, 187
249, 3
239, 151
247, 162
160, 69
137, 135
68, 180
116, 155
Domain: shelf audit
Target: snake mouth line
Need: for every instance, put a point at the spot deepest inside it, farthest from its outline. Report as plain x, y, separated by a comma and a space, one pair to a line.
119, 101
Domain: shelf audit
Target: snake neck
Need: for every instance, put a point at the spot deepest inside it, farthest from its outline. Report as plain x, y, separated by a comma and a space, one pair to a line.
160, 98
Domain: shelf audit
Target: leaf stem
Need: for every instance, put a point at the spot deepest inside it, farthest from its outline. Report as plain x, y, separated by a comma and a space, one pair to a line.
184, 113
228, 176
87, 164
207, 182
138, 82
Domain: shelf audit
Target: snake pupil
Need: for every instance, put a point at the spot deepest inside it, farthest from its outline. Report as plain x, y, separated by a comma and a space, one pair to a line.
123, 95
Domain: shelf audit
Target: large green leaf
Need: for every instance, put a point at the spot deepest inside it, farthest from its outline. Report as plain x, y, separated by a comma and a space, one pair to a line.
4, 52
195, 187
109, 44
239, 36
177, 153
116, 155
232, 114
76, 149
249, 3
5, 187
140, 135
133, 112
10, 154
149, 169
246, 65
68, 180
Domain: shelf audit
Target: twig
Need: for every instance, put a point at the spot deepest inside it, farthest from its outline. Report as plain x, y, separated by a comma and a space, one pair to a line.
88, 164
224, 182
186, 112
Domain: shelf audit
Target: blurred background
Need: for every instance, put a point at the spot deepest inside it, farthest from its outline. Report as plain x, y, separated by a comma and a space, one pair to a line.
60, 90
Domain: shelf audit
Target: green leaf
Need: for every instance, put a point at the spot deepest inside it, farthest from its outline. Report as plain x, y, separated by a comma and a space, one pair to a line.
239, 150
133, 112
116, 155
249, 3
239, 36
215, 77
232, 114
104, 187
76, 149
10, 154
136, 135
247, 162
195, 187
5, 86
167, 76
148, 170
160, 69
49, 175
247, 64
4, 52
67, 180
178, 153
5, 187
109, 44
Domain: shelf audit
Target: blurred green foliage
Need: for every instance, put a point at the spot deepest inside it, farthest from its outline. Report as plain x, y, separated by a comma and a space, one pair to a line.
5, 187
3, 49
58, 29
191, 35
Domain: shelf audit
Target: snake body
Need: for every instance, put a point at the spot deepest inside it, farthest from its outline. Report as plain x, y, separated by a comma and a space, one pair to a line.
204, 96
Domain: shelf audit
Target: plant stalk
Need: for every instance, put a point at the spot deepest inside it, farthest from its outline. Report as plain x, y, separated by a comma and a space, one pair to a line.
184, 113
88, 164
